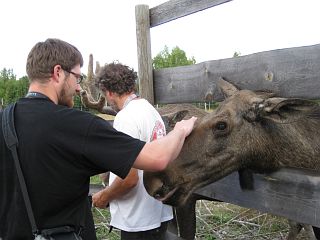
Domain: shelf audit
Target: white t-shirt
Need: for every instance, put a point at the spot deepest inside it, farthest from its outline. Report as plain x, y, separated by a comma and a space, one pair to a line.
137, 210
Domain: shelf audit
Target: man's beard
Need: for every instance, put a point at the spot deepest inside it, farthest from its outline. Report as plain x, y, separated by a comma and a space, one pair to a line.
64, 99
113, 105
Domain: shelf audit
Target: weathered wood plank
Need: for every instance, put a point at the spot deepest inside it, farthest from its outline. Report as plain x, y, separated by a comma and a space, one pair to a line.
290, 72
294, 194
144, 53
174, 9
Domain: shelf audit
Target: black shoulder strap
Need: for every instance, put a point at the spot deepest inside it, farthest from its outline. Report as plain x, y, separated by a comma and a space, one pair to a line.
9, 132
11, 141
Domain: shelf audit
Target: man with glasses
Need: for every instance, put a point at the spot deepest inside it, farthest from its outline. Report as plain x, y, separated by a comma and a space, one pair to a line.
60, 148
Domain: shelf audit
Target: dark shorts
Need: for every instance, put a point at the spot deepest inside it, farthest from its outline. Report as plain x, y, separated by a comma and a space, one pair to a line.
153, 234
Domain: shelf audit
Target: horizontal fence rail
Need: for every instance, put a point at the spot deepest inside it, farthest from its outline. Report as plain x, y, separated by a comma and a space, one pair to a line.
175, 9
290, 72
290, 193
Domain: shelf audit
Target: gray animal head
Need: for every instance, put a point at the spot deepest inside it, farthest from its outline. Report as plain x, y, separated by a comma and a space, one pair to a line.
253, 130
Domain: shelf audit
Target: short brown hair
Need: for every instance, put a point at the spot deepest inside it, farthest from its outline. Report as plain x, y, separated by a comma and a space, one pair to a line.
45, 55
117, 78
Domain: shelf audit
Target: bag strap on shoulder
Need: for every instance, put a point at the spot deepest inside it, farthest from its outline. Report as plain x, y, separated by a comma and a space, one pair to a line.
8, 127
11, 140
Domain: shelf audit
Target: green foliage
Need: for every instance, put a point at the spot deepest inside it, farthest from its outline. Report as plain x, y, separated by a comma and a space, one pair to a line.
7, 74
101, 217
236, 54
177, 57
12, 89
77, 102
95, 180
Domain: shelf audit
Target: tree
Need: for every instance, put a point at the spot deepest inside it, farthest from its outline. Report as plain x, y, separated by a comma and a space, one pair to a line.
236, 54
22, 86
177, 57
12, 89
7, 74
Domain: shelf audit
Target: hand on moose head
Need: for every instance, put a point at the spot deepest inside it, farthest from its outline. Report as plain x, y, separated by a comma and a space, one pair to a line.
186, 125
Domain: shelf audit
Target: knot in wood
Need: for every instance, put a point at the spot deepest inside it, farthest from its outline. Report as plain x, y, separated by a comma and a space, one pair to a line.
268, 76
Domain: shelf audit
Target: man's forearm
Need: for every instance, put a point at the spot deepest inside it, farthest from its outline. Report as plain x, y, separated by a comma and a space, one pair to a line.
120, 187
117, 189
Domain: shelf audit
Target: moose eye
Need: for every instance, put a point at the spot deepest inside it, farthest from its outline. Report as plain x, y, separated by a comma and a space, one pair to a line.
221, 126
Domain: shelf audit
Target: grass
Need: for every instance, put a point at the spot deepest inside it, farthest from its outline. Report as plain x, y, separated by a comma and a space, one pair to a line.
101, 219
105, 116
217, 220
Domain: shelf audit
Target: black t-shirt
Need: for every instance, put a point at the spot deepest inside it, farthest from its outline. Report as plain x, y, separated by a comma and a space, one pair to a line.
59, 149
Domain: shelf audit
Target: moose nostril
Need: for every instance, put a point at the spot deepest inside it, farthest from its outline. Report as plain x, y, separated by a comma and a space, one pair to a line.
159, 193
152, 185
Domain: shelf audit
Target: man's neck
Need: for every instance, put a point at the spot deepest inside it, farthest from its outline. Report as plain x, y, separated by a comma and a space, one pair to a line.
45, 89
124, 100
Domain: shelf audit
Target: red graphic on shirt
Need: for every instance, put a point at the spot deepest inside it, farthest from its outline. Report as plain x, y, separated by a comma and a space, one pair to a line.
158, 131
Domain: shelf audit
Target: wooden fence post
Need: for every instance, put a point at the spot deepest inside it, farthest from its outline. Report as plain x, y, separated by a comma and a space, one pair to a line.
145, 72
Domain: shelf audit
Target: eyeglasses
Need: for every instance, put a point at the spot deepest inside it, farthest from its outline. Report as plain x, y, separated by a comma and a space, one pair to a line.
79, 77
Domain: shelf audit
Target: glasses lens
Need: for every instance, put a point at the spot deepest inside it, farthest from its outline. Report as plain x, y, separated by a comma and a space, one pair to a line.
80, 78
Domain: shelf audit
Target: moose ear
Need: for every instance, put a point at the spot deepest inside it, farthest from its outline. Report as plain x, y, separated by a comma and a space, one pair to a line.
286, 110
171, 119
227, 88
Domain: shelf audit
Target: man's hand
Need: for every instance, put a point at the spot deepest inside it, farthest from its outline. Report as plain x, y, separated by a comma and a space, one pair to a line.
186, 125
156, 155
100, 199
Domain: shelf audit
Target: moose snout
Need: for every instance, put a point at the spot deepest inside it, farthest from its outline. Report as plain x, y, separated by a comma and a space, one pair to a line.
158, 188
153, 185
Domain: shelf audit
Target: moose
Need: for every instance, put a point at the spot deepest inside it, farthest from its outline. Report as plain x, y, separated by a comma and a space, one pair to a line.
249, 131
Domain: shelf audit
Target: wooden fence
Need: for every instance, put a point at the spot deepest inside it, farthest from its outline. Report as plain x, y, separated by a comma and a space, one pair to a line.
291, 72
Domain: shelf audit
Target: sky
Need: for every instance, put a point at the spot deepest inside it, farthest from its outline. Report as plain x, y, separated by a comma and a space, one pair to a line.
106, 29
